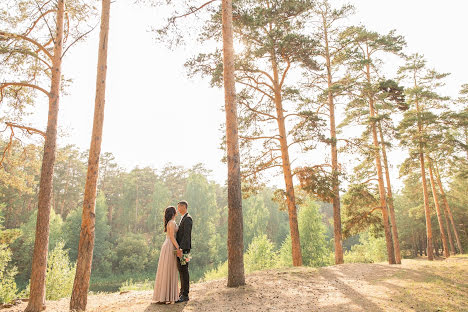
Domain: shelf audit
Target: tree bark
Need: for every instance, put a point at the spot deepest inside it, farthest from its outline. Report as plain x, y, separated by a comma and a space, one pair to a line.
334, 156
235, 241
287, 173
378, 163
79, 296
439, 214
449, 233
396, 242
427, 210
41, 244
448, 211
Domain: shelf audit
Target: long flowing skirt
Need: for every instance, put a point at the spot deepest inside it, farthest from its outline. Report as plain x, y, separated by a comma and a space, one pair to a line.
166, 286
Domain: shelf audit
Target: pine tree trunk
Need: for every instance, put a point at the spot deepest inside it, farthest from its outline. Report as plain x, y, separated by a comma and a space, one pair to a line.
449, 233
378, 163
235, 241
287, 173
448, 211
334, 157
396, 242
79, 296
439, 214
427, 210
41, 244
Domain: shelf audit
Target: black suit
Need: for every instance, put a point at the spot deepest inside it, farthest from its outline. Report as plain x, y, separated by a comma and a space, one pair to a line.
184, 239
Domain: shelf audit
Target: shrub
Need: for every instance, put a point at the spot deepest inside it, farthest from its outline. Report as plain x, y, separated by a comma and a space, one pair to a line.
369, 250
7, 276
60, 274
217, 273
314, 245
284, 255
260, 254
132, 253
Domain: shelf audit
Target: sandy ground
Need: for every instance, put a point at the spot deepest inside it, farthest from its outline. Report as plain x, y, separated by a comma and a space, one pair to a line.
416, 285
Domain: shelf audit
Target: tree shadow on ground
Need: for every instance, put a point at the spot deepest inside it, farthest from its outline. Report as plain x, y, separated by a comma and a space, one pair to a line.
354, 296
176, 307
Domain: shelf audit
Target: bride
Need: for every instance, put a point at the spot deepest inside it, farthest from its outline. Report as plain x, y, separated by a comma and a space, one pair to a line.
166, 284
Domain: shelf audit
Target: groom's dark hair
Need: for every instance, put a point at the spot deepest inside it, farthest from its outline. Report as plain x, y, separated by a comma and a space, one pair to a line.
183, 202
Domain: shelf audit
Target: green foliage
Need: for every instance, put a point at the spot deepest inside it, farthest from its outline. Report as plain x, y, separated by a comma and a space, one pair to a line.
130, 285
256, 216
284, 254
7, 276
112, 282
103, 253
60, 273
314, 246
23, 246
132, 253
369, 250
7, 273
360, 210
260, 255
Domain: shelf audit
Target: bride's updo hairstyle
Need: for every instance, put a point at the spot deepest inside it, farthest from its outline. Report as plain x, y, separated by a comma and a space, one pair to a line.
169, 213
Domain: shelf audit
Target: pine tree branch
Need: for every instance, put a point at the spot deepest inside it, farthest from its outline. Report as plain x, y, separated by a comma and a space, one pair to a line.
29, 130
23, 84
192, 10
257, 138
257, 81
47, 24
37, 44
259, 112
30, 29
258, 170
79, 38
261, 72
256, 88
30, 53
361, 216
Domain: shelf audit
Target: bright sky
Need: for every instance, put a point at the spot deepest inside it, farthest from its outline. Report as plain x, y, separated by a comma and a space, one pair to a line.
155, 115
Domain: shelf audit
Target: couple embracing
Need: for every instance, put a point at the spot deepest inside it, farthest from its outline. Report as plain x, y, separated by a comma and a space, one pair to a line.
174, 256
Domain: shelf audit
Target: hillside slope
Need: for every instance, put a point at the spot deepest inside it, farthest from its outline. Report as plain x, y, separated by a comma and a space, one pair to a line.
416, 285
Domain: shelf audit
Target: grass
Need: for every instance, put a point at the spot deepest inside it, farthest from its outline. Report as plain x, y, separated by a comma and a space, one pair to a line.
142, 280
113, 282
434, 285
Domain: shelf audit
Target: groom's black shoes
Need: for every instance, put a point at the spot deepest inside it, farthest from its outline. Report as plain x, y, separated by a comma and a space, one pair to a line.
182, 299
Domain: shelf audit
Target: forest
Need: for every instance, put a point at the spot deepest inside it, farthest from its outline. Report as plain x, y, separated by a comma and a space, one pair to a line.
330, 109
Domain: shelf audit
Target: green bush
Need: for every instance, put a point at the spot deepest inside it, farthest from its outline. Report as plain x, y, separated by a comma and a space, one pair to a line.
217, 273
60, 274
23, 246
103, 253
369, 250
285, 253
132, 253
7, 276
314, 246
260, 254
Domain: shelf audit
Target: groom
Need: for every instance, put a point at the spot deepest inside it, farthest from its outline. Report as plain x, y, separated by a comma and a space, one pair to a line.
184, 239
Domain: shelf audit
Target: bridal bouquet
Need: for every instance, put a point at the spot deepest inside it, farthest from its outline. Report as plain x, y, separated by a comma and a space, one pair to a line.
185, 259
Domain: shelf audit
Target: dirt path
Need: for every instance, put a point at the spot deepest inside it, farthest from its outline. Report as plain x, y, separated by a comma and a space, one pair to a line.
416, 285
